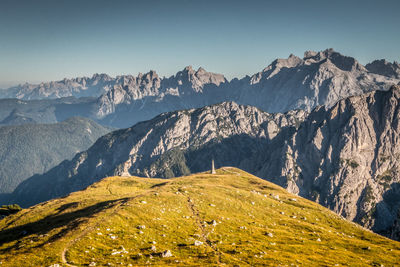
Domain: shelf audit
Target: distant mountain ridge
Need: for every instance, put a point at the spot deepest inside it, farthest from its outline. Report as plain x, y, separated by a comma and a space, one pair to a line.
319, 78
78, 87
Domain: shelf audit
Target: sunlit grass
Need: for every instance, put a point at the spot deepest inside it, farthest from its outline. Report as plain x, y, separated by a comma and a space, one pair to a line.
232, 217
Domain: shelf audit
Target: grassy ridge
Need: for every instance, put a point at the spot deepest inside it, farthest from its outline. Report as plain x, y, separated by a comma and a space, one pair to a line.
230, 218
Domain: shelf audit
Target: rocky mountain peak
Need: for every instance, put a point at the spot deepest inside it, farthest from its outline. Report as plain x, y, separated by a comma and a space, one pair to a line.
383, 67
101, 76
151, 75
342, 62
188, 69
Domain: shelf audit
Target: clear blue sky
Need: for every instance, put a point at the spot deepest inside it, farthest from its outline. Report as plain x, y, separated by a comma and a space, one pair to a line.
49, 40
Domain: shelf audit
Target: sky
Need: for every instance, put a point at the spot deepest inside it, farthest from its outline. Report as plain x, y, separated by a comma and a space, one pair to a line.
46, 40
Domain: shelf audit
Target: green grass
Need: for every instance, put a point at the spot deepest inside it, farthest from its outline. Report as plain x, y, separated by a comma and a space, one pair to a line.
101, 225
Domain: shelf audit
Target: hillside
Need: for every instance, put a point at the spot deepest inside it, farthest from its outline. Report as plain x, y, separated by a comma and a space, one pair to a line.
228, 218
31, 149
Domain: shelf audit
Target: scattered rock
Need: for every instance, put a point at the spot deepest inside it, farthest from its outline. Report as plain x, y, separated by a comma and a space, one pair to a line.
198, 243
270, 234
166, 254
212, 205
143, 202
141, 227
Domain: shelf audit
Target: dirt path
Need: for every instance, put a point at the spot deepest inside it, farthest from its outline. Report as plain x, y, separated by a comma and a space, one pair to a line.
204, 233
227, 169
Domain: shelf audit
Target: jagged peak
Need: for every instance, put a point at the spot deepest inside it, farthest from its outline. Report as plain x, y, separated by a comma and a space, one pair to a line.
188, 69
383, 62
309, 53
152, 74
102, 76
384, 67
329, 55
201, 70
277, 64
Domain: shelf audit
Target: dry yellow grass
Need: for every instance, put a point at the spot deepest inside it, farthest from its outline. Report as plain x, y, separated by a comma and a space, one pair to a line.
230, 218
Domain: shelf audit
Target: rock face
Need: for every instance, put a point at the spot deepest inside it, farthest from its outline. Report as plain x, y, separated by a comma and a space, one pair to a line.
319, 78
385, 68
345, 157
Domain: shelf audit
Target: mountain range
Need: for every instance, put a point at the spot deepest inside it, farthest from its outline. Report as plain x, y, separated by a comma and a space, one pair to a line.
319, 78
344, 157
323, 126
